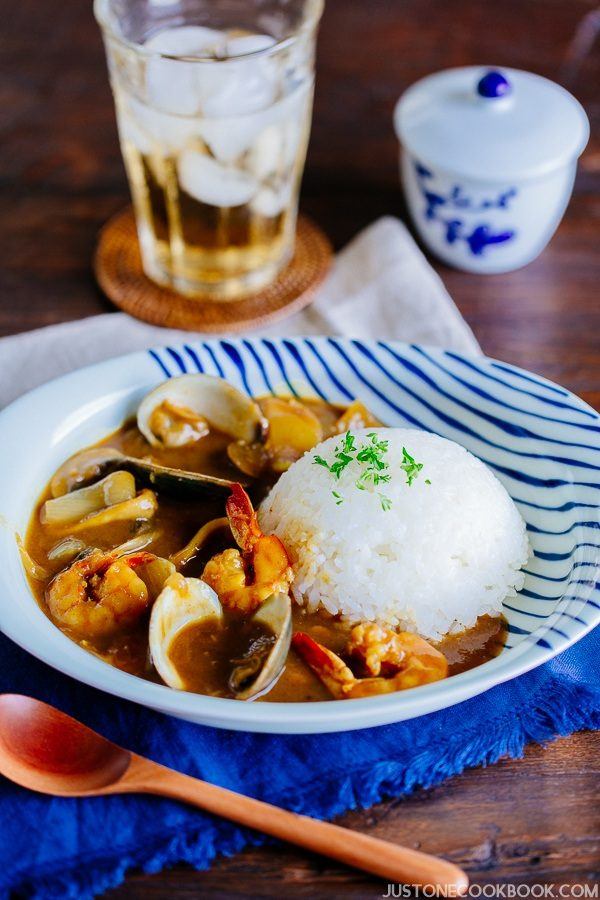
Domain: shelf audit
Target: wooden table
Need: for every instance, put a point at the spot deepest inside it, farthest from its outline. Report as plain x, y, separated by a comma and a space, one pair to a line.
533, 820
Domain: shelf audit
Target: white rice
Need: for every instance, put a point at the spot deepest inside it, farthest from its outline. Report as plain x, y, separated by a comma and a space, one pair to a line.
445, 553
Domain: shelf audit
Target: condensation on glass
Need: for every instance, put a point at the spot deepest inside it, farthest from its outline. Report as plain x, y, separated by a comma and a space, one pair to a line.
214, 102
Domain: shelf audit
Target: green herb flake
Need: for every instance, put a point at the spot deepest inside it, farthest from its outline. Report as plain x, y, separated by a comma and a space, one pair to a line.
427, 481
343, 456
409, 466
370, 456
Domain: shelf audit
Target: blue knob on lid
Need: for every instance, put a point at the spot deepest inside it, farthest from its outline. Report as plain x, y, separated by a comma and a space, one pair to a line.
493, 85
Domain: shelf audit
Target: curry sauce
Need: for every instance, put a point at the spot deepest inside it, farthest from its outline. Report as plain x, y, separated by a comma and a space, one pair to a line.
205, 654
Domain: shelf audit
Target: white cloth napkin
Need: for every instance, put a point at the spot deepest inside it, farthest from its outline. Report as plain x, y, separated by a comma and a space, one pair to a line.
380, 285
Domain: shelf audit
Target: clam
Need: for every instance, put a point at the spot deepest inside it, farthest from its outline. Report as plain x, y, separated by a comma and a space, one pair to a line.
251, 459
83, 468
181, 411
66, 550
153, 570
181, 603
193, 547
265, 659
139, 541
91, 464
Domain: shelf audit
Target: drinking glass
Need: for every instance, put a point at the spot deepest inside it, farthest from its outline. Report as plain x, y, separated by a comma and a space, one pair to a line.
214, 102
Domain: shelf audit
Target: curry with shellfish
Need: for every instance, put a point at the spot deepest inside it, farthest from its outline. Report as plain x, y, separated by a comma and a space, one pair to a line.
175, 582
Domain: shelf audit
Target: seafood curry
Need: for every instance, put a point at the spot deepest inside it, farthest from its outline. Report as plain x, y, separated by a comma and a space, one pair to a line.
146, 550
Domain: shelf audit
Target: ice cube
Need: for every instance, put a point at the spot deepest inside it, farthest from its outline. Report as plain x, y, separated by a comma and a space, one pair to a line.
206, 180
278, 133
234, 117
172, 85
239, 86
266, 154
166, 134
269, 202
248, 43
188, 40
229, 138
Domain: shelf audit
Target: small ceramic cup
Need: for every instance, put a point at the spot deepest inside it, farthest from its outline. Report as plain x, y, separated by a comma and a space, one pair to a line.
487, 161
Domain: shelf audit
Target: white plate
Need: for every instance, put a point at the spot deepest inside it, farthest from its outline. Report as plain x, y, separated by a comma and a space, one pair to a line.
540, 440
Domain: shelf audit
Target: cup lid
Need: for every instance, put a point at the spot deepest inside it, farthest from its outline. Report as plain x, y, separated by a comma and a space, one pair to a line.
491, 124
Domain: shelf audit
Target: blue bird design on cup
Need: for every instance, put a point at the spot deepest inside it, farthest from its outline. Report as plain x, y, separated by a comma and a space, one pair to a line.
478, 237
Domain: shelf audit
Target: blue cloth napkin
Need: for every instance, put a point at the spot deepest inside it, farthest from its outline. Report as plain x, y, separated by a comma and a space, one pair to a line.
57, 848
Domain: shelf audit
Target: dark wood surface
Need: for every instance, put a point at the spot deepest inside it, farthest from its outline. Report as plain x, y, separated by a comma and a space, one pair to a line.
533, 820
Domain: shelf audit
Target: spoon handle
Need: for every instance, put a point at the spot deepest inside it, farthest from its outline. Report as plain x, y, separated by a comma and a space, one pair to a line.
389, 861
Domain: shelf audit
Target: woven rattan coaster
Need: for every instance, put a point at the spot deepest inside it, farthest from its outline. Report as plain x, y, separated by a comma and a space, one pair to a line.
118, 268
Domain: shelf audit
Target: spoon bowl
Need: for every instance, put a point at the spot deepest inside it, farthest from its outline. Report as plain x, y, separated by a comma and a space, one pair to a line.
45, 750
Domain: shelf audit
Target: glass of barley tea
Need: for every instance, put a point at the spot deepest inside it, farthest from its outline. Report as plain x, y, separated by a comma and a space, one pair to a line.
214, 102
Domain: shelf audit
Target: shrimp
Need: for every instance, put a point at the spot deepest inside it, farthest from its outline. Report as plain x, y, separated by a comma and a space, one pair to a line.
102, 593
244, 580
390, 661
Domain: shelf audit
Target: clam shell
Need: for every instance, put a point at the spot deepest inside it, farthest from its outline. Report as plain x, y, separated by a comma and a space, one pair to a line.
276, 615
182, 602
219, 402
91, 464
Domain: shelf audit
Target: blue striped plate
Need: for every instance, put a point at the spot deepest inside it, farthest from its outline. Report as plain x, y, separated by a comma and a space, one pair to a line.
541, 441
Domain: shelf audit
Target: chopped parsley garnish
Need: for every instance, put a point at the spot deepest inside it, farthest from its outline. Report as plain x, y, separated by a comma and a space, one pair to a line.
343, 456
370, 456
386, 503
409, 466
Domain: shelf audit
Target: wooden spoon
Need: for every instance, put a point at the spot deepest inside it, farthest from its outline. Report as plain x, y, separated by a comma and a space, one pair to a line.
43, 749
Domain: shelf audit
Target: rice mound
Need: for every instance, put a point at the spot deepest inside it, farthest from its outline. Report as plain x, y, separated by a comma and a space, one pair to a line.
444, 553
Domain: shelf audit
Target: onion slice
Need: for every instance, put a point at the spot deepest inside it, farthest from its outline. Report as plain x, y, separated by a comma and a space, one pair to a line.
74, 506
142, 507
